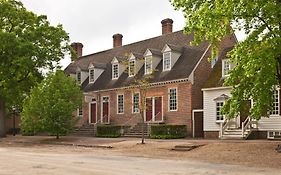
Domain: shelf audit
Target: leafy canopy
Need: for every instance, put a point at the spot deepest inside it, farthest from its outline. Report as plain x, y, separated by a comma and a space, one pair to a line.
257, 58
29, 44
50, 105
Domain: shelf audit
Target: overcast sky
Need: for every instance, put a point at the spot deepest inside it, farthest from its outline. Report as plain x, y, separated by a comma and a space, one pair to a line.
94, 22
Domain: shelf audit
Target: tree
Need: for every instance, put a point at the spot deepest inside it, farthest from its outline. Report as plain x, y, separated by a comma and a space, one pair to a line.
257, 58
51, 104
29, 44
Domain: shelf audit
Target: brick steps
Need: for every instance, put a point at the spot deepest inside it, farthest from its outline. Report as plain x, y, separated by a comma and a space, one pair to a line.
136, 131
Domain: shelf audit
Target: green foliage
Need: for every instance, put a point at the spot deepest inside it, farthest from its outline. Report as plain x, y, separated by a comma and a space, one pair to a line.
29, 44
168, 131
257, 58
50, 105
108, 131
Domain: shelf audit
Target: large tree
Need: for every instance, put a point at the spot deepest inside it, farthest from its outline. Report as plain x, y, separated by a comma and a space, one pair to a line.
50, 105
257, 58
29, 44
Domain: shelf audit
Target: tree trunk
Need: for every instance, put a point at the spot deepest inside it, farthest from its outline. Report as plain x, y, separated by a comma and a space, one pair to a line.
2, 118
57, 136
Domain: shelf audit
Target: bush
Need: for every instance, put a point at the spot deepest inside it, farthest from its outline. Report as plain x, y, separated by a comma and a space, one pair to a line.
108, 131
168, 131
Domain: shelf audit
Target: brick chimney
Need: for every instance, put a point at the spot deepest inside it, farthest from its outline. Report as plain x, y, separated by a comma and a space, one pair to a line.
78, 48
167, 26
117, 40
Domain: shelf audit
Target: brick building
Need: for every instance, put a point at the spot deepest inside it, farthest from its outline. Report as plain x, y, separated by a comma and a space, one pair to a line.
174, 93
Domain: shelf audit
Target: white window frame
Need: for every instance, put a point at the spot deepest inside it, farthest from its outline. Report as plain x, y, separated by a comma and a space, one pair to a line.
123, 106
132, 72
115, 76
169, 100
216, 107
225, 72
133, 103
276, 104
148, 71
170, 61
91, 79
79, 77
80, 109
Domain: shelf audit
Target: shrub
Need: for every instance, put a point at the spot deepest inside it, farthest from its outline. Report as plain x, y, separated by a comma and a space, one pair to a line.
108, 131
168, 131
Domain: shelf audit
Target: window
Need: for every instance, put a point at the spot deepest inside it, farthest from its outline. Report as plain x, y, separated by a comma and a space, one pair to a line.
226, 67
91, 75
120, 103
167, 61
80, 112
148, 65
136, 101
275, 109
78, 77
173, 99
219, 115
132, 68
115, 71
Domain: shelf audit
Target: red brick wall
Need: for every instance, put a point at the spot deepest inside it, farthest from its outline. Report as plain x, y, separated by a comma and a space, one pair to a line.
211, 134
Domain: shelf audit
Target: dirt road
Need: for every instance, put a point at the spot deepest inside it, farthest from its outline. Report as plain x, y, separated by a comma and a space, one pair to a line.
43, 161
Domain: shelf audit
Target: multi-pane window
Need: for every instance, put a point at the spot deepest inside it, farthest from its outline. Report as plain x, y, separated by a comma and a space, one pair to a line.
80, 112
148, 65
115, 71
91, 75
173, 99
136, 101
226, 67
120, 103
167, 61
132, 68
275, 109
78, 77
219, 115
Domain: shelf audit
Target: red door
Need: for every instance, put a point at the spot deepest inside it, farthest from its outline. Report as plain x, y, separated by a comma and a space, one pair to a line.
148, 109
105, 112
93, 113
158, 109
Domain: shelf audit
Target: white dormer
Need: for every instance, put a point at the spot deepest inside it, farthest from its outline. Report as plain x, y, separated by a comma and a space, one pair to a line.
226, 67
152, 58
117, 68
135, 64
81, 75
171, 55
95, 71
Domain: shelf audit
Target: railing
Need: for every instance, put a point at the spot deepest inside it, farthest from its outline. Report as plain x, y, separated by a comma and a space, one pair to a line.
248, 124
223, 127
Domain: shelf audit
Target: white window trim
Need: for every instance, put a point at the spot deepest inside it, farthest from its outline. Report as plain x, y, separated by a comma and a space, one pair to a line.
133, 94
78, 114
79, 81
114, 78
278, 90
117, 109
170, 67
223, 64
219, 121
177, 99
134, 73
91, 80
101, 119
151, 67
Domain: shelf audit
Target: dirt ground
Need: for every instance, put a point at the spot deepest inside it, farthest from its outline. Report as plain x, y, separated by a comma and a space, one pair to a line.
253, 153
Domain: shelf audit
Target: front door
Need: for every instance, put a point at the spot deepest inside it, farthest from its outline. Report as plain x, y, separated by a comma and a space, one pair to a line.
93, 113
245, 111
153, 111
105, 110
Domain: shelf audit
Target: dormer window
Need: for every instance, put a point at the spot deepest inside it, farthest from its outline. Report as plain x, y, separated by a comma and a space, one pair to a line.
148, 65
225, 67
91, 75
78, 77
132, 68
115, 71
167, 61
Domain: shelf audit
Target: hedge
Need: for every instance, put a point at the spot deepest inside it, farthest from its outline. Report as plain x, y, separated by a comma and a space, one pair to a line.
168, 131
108, 131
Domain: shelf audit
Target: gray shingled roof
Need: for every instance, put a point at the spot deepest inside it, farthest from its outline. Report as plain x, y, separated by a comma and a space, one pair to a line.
190, 55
